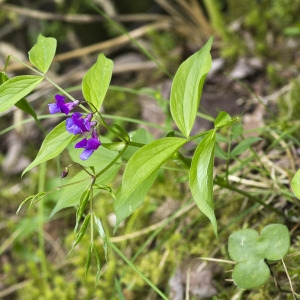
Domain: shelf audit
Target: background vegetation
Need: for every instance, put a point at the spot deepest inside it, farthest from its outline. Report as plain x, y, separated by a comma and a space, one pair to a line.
256, 42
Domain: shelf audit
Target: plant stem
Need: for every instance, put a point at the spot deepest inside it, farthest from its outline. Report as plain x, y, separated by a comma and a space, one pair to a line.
222, 183
148, 281
41, 187
112, 162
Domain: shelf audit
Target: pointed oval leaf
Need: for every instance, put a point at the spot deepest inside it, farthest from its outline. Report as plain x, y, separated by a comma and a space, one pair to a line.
23, 104
250, 274
82, 230
277, 240
54, 143
142, 165
96, 82
201, 177
16, 88
42, 53
187, 88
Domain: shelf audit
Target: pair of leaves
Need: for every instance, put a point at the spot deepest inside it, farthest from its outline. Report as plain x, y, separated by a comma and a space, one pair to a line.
95, 84
142, 167
184, 102
250, 250
93, 248
92, 218
15, 89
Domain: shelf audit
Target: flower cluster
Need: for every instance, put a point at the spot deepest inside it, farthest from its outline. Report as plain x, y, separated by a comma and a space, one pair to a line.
77, 124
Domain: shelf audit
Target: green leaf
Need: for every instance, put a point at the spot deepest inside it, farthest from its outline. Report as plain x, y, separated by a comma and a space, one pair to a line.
3, 77
243, 146
98, 262
88, 259
187, 88
201, 177
295, 184
140, 167
84, 199
222, 119
23, 104
237, 130
54, 143
220, 153
250, 274
245, 244
134, 201
277, 240
68, 195
250, 250
96, 82
42, 53
102, 234
82, 230
16, 88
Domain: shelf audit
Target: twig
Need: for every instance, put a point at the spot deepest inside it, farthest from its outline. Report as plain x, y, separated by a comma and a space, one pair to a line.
105, 46
82, 18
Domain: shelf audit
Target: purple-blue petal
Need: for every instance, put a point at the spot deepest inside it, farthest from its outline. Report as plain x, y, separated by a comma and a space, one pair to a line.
81, 144
86, 154
64, 109
61, 106
72, 127
53, 109
93, 143
59, 98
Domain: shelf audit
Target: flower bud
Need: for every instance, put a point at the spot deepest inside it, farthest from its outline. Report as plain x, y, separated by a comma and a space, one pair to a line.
65, 172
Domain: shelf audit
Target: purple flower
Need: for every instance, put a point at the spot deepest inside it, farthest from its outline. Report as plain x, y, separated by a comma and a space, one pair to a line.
89, 145
76, 124
61, 106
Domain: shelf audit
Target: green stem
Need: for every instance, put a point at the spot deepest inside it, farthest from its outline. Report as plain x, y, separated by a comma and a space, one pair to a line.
129, 263
41, 187
112, 162
222, 183
23, 63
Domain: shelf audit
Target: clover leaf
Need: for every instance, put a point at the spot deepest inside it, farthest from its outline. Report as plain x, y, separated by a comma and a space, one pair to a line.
251, 250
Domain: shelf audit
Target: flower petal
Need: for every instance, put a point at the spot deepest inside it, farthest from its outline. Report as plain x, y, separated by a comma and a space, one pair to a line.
60, 98
81, 144
93, 143
53, 109
86, 154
